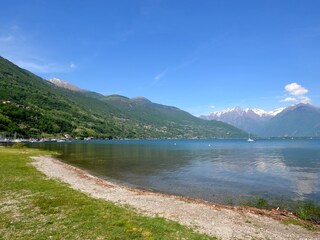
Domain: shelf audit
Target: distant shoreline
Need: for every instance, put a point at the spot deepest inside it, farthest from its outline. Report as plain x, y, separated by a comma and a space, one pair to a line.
9, 141
213, 219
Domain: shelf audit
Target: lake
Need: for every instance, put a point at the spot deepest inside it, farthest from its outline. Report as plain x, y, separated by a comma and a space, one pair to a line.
225, 171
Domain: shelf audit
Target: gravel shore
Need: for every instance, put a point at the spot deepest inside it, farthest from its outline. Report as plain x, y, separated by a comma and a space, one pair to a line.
221, 221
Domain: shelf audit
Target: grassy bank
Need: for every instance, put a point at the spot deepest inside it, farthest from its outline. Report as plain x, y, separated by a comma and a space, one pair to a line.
33, 207
307, 211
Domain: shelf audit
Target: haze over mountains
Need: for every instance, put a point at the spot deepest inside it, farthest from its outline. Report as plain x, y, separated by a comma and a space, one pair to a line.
32, 106
299, 120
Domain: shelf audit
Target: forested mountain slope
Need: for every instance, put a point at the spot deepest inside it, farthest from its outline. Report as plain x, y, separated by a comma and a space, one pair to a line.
32, 106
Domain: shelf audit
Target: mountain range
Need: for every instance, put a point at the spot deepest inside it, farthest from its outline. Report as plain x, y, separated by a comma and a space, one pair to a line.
250, 120
31, 106
299, 120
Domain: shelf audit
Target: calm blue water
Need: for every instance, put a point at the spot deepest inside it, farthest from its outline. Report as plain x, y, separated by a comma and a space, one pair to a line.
224, 171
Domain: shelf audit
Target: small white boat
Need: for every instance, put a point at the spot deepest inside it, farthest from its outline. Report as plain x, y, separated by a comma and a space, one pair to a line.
250, 139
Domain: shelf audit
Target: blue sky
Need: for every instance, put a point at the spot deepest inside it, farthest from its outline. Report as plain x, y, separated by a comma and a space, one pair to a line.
201, 56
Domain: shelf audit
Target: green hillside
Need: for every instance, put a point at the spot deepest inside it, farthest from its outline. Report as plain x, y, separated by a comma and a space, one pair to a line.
171, 120
301, 120
32, 106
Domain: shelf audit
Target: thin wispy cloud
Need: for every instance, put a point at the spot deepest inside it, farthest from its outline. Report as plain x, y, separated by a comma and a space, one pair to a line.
297, 94
160, 76
32, 66
203, 48
289, 99
6, 38
187, 62
44, 68
72, 65
304, 99
23, 50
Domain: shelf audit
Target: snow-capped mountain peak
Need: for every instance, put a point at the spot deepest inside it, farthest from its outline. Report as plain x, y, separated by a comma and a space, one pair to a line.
228, 110
270, 123
276, 111
247, 119
240, 111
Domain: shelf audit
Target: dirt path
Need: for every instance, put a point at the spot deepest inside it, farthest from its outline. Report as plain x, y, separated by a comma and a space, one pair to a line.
221, 221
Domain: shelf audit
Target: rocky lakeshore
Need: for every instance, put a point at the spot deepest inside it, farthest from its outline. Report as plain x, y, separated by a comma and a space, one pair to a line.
213, 219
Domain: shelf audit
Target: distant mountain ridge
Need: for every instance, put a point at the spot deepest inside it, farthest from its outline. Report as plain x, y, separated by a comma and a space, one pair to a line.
33, 107
300, 120
253, 111
63, 84
250, 120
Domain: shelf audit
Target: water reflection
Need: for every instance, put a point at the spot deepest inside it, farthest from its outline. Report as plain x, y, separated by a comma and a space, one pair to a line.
305, 185
226, 171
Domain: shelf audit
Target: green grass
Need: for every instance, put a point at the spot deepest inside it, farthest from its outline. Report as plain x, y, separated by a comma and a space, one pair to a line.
305, 210
308, 211
297, 222
34, 207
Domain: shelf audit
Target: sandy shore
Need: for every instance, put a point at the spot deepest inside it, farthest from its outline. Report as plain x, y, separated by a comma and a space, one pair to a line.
221, 221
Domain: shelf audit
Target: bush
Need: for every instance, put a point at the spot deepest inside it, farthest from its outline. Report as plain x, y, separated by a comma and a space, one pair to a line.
308, 211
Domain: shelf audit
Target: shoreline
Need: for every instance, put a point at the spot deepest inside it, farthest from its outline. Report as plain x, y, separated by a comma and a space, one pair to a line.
225, 222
